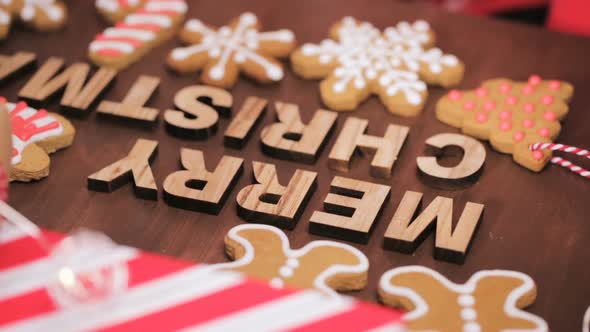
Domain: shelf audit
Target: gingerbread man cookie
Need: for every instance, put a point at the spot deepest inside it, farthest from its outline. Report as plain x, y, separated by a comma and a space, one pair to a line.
511, 115
490, 301
144, 25
238, 47
394, 64
42, 15
35, 134
263, 252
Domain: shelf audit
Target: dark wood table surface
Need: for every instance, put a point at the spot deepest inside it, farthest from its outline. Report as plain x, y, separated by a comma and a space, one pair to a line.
535, 223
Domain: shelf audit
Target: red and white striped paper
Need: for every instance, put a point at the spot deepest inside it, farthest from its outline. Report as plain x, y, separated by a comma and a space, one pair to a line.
165, 294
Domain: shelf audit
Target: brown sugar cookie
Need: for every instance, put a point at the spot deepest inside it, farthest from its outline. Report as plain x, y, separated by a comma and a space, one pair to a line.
359, 60
225, 52
42, 15
143, 26
263, 252
491, 300
35, 135
511, 115
5, 152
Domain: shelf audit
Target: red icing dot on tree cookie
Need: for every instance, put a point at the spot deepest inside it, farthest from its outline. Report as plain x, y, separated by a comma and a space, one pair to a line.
544, 132
528, 107
554, 85
537, 155
534, 79
505, 115
518, 136
455, 95
481, 92
489, 105
549, 116
469, 106
505, 126
528, 123
511, 100
547, 100
505, 87
528, 89
481, 117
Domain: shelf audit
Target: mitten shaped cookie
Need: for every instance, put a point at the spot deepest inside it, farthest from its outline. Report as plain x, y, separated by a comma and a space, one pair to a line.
395, 64
143, 25
490, 301
263, 252
237, 47
35, 134
511, 115
42, 15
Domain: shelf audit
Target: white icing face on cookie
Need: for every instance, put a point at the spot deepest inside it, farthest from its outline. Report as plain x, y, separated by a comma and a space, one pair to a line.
29, 126
264, 252
40, 14
238, 44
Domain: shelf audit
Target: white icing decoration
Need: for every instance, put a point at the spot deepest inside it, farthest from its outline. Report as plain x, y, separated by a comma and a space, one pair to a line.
19, 144
421, 306
157, 19
393, 57
286, 272
292, 257
142, 35
177, 6
30, 9
27, 13
122, 47
586, 327
468, 314
240, 44
5, 18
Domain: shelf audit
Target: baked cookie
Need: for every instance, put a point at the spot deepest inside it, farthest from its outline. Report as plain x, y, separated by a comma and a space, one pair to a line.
225, 52
263, 252
490, 301
115, 10
5, 152
35, 134
511, 115
395, 64
42, 15
144, 25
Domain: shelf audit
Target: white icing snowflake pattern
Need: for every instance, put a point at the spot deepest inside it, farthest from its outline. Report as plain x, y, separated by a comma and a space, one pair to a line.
394, 62
28, 10
239, 44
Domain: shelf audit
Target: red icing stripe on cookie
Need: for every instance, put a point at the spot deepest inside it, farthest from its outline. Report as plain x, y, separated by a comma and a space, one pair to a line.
150, 27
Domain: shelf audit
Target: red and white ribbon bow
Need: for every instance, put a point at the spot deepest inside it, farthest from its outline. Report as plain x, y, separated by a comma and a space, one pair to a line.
563, 162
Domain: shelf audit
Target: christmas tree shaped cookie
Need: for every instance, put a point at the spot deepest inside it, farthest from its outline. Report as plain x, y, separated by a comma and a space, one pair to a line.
511, 115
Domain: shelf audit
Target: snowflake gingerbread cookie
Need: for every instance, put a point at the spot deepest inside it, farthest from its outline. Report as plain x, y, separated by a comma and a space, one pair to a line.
35, 134
143, 25
225, 52
395, 64
263, 252
511, 115
42, 15
490, 301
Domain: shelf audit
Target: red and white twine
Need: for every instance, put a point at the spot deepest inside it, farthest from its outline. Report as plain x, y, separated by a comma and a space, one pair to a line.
563, 162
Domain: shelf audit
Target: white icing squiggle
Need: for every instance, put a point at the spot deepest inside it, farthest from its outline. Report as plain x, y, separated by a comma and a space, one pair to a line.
239, 44
393, 58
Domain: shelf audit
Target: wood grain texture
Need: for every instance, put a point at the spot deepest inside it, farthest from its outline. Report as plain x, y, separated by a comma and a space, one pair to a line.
290, 139
405, 233
78, 94
134, 168
269, 202
533, 223
200, 107
10, 66
132, 106
350, 210
471, 162
198, 189
354, 136
240, 129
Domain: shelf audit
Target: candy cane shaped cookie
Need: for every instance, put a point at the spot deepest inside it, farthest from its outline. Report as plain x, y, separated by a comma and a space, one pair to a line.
35, 134
142, 29
42, 15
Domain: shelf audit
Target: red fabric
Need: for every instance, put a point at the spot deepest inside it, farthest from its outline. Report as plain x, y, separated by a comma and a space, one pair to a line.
570, 16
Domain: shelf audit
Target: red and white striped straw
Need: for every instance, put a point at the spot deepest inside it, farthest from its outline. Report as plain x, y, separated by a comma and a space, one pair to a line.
562, 162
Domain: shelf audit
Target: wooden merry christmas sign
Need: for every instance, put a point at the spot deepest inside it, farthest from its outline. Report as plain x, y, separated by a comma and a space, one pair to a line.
352, 206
